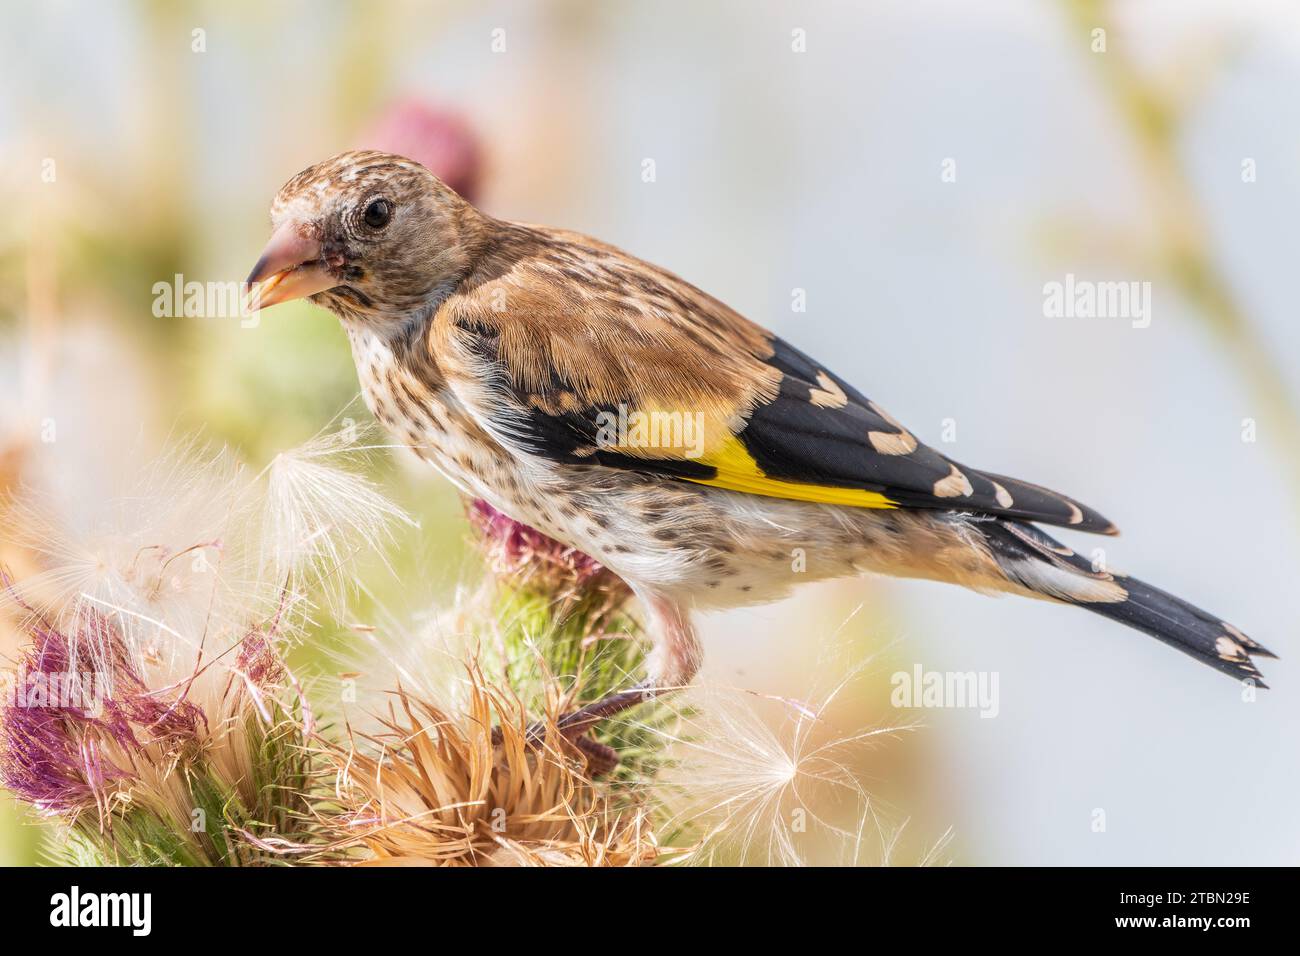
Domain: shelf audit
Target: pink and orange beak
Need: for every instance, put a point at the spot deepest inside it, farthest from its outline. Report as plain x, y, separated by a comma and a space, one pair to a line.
290, 268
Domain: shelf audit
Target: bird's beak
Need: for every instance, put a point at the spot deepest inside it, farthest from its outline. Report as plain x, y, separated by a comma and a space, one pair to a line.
290, 268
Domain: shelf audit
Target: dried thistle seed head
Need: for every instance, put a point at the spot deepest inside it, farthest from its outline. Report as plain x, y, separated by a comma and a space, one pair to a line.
160, 553
193, 550
320, 511
434, 788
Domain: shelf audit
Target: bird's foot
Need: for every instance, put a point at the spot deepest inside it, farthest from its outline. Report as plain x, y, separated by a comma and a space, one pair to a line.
601, 758
573, 726
611, 705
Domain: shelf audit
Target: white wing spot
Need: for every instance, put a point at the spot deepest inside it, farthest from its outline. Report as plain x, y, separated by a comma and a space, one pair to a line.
830, 395
892, 443
1229, 649
954, 485
1003, 496
1237, 634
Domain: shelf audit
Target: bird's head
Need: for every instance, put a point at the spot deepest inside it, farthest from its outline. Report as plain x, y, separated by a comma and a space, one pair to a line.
370, 236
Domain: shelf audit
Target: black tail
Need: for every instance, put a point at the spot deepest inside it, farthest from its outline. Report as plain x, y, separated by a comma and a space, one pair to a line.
1048, 568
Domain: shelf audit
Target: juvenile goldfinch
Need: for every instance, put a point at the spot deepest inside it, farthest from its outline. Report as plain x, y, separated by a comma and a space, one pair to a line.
618, 409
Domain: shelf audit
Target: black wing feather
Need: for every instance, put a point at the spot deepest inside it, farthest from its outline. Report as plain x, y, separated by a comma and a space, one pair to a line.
796, 439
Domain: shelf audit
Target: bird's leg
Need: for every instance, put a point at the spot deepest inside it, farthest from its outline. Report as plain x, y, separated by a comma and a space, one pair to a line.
573, 726
585, 717
672, 665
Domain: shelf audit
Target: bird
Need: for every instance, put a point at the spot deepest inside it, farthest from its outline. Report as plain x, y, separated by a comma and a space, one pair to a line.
621, 410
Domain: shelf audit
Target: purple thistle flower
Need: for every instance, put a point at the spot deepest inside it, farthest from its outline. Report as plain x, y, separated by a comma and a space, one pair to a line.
258, 660
518, 551
438, 138
64, 744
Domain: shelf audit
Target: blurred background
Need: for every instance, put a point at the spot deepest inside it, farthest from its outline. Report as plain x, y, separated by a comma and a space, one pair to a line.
915, 172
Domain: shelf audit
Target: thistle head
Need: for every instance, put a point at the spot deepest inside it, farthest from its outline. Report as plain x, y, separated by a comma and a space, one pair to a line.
433, 136
71, 740
439, 788
529, 558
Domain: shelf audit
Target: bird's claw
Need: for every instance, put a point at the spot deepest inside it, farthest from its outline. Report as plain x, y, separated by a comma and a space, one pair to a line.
573, 727
601, 758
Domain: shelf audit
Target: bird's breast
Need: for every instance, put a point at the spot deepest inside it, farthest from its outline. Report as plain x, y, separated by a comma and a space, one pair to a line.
422, 413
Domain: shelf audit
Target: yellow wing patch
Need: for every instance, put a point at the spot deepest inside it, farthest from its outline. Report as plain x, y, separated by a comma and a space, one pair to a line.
738, 471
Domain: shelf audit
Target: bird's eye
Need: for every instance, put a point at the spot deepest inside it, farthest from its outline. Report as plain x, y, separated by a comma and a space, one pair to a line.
378, 213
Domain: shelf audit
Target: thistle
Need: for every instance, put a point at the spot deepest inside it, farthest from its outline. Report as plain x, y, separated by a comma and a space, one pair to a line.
183, 774
483, 776
178, 734
480, 788
153, 715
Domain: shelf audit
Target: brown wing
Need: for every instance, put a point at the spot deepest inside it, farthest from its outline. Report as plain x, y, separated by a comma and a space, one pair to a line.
557, 337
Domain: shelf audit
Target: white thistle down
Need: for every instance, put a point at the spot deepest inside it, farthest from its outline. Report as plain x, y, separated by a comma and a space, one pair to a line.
197, 551
162, 560
789, 795
321, 512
